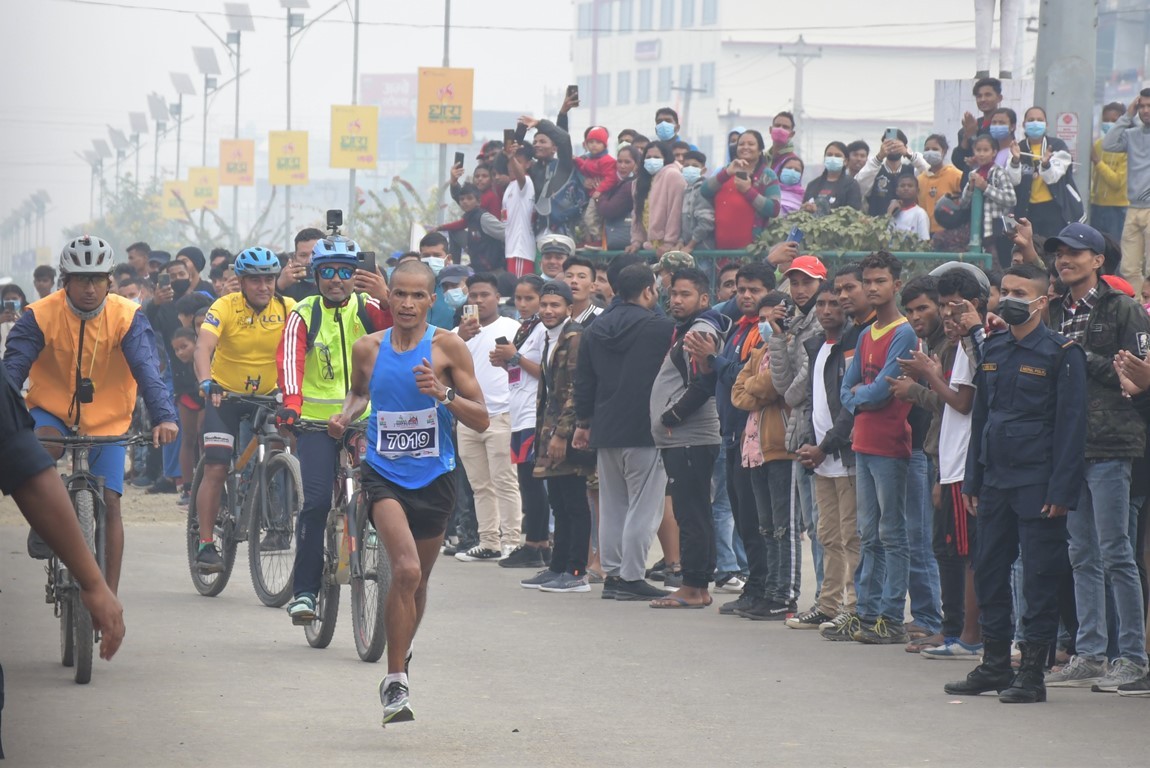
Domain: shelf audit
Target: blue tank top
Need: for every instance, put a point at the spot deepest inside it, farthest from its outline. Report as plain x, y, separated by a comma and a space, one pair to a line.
408, 432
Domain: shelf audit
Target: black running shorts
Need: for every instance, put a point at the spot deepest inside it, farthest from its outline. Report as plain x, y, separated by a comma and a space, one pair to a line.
427, 508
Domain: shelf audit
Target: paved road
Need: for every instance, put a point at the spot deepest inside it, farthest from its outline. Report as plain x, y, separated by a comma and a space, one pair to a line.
503, 677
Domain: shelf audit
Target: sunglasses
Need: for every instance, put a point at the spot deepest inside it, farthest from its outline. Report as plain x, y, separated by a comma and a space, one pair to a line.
327, 273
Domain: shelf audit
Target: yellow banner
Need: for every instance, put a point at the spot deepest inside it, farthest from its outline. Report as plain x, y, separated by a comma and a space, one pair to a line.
203, 188
287, 158
444, 106
354, 137
237, 163
170, 197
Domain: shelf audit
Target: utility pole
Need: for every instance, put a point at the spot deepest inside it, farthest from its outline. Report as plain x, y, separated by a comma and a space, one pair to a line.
687, 90
799, 54
1064, 77
351, 198
441, 209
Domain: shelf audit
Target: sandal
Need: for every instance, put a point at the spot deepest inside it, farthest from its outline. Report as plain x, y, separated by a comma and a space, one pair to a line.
915, 632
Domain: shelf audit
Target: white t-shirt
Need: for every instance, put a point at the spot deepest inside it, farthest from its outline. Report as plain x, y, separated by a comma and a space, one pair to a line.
492, 379
914, 220
954, 435
821, 415
518, 207
524, 386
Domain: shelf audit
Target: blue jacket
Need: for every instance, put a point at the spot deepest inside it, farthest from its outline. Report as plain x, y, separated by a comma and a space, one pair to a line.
727, 365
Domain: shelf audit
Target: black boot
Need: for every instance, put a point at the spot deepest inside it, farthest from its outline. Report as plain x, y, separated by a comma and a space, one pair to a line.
1028, 685
993, 674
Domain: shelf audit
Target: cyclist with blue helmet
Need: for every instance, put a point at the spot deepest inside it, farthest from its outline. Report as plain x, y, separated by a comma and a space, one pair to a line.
314, 361
235, 353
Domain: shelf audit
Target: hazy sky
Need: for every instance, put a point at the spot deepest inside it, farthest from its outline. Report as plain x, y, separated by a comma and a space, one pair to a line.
74, 67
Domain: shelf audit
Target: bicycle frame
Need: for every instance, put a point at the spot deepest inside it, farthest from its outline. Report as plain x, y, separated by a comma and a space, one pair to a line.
263, 435
60, 582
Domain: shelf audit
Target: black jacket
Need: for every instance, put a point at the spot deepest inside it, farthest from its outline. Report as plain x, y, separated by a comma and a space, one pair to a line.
619, 356
836, 442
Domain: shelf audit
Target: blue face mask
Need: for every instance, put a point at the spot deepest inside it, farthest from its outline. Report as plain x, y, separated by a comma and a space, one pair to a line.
999, 132
653, 165
435, 263
665, 131
692, 174
790, 177
455, 297
1035, 129
1106, 128
766, 331
834, 163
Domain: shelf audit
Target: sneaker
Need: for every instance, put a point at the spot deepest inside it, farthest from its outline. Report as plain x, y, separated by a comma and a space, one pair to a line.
730, 583
881, 632
143, 481
640, 589
163, 486
208, 560
838, 619
38, 549
1140, 687
543, 577
812, 619
1121, 672
673, 579
842, 629
767, 610
396, 707
275, 541
524, 557
953, 648
302, 609
568, 582
185, 499
610, 587
733, 607
478, 554
655, 572
1079, 673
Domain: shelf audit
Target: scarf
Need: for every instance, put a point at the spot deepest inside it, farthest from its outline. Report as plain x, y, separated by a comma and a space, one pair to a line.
752, 441
752, 339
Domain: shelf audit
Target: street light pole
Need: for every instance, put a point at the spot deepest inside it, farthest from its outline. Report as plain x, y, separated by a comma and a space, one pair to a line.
287, 187
441, 209
351, 199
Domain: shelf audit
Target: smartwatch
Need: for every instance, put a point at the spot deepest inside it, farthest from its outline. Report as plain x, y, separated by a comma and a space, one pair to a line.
448, 396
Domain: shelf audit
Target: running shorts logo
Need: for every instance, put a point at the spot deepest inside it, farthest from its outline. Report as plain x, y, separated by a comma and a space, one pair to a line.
219, 440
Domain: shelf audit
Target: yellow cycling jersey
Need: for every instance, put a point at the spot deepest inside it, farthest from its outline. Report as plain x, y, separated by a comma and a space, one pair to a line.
245, 356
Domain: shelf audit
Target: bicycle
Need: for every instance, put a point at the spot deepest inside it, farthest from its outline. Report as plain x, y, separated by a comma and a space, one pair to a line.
353, 555
77, 636
263, 515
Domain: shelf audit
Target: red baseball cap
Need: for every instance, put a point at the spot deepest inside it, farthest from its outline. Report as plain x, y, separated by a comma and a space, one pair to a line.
809, 265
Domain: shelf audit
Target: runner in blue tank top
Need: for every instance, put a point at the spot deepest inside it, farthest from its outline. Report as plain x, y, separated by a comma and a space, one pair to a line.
417, 379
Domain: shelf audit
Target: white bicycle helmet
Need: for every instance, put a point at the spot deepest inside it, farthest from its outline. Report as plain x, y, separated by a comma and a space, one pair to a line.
87, 255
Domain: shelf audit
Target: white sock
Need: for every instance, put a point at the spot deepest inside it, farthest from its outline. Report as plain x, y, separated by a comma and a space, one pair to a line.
398, 677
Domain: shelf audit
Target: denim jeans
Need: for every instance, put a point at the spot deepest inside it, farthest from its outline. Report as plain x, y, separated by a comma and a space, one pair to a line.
1112, 628
730, 557
880, 486
806, 510
1100, 547
1109, 220
924, 587
772, 485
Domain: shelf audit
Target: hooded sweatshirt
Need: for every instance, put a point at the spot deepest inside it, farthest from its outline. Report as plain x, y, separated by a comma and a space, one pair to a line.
619, 357
683, 411
1131, 136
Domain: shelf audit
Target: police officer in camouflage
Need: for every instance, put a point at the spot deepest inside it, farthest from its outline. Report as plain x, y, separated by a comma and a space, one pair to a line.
1024, 472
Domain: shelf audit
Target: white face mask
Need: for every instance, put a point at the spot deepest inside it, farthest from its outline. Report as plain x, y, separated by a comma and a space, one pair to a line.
435, 262
691, 174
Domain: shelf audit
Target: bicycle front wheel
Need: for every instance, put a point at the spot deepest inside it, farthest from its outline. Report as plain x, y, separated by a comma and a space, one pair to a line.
84, 638
320, 632
210, 584
369, 585
271, 532
67, 638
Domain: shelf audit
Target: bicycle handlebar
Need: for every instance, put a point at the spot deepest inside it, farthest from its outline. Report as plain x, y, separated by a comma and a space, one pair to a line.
315, 425
91, 440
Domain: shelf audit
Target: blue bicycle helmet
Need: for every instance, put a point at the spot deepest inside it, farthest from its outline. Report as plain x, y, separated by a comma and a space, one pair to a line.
257, 260
334, 250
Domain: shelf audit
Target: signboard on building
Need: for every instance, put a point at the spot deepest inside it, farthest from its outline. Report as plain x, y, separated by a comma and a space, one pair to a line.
445, 106
395, 95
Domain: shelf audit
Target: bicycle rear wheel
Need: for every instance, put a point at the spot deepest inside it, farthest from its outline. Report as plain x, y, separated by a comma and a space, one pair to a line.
67, 639
84, 638
271, 531
369, 587
320, 632
210, 584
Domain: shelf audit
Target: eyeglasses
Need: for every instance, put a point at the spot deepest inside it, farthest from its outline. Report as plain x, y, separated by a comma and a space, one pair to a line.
91, 279
327, 273
325, 371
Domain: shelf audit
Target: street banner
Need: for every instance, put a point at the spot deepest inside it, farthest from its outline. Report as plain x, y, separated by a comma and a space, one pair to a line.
354, 137
287, 158
444, 106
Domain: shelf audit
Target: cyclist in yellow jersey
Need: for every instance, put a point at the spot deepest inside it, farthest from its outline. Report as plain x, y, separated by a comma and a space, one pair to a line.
236, 353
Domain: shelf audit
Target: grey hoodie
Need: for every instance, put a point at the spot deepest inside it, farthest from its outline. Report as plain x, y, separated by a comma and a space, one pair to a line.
698, 218
682, 400
1129, 135
790, 373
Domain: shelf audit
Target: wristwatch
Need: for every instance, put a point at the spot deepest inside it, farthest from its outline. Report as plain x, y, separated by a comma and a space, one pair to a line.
448, 396
515, 359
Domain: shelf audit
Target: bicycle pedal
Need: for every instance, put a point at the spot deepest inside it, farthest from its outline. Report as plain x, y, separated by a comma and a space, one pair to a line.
302, 621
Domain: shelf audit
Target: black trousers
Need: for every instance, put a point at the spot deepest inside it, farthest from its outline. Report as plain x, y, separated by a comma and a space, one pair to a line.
689, 472
533, 502
568, 497
746, 513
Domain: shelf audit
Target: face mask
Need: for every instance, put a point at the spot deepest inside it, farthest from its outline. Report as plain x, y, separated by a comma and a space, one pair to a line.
790, 176
434, 262
999, 132
894, 156
665, 131
180, 287
933, 157
388, 271
834, 163
1035, 129
692, 174
780, 135
653, 165
1015, 311
1106, 128
455, 297
765, 330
